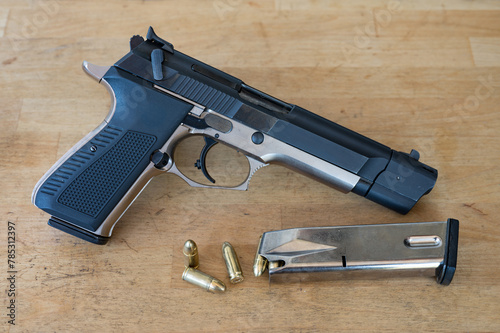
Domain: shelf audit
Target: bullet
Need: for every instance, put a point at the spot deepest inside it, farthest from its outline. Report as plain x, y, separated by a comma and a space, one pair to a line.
191, 257
259, 263
205, 281
274, 264
232, 263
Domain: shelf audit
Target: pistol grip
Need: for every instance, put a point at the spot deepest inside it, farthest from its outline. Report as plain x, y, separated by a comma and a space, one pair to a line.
90, 188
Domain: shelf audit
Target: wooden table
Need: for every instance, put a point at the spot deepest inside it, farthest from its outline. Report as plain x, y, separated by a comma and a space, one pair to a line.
422, 75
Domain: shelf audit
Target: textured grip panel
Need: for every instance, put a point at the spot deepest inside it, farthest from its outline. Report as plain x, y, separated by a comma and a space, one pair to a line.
93, 184
91, 190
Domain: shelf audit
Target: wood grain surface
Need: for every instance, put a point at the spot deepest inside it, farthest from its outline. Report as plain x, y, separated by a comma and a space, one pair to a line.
420, 74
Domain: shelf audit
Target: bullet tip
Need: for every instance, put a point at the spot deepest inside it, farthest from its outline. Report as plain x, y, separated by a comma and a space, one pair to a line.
190, 247
217, 286
259, 265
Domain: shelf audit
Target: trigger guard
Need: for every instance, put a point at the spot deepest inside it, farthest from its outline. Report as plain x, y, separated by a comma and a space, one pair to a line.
201, 163
254, 166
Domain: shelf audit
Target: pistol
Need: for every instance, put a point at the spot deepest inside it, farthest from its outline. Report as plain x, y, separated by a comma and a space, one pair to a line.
161, 96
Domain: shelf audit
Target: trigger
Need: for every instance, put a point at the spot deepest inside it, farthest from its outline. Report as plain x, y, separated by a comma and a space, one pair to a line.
201, 163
